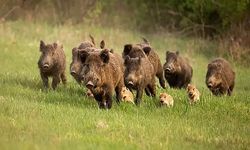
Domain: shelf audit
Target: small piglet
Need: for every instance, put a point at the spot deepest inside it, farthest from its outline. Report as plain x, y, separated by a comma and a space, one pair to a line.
52, 63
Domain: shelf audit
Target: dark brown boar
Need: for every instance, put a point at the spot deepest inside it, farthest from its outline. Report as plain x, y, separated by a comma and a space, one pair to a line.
102, 73
145, 50
52, 64
220, 77
139, 75
76, 65
177, 70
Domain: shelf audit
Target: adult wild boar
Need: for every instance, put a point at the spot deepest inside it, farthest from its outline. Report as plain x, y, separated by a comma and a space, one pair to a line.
102, 73
220, 77
75, 66
145, 50
139, 75
52, 64
177, 70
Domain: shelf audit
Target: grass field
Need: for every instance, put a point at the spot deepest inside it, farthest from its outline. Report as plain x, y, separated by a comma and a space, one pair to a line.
31, 118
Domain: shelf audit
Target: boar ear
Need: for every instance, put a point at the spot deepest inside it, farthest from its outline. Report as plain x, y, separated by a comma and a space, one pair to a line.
127, 49
74, 50
209, 65
177, 53
92, 39
105, 55
55, 45
102, 44
127, 58
83, 55
147, 50
111, 51
167, 52
42, 45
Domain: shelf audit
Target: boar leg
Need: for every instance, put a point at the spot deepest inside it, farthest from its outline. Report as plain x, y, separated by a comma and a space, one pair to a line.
161, 79
63, 77
147, 91
138, 96
108, 100
98, 98
45, 80
230, 90
55, 81
118, 92
152, 89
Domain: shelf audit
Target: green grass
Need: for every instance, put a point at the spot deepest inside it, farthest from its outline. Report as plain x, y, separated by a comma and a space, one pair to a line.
31, 118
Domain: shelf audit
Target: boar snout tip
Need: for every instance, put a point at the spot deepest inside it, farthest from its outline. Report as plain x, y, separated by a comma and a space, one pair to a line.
209, 85
168, 69
73, 73
90, 85
130, 83
46, 66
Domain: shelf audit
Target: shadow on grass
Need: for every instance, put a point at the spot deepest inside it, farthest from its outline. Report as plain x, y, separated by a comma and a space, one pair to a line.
32, 89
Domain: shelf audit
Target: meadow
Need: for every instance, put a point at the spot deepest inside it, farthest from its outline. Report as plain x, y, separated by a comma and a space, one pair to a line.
32, 118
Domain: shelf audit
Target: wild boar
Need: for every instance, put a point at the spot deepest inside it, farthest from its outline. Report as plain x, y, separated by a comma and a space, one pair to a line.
102, 73
52, 63
220, 77
139, 75
177, 70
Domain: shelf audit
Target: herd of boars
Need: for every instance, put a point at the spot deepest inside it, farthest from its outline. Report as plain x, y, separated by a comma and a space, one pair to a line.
105, 73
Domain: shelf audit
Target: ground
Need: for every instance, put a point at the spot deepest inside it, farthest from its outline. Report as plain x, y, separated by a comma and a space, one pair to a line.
32, 118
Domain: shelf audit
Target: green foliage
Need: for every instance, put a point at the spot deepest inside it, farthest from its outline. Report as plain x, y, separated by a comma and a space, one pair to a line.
31, 118
201, 17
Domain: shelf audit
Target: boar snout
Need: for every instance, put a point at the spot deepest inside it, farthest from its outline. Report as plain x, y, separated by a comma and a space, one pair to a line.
190, 94
90, 85
45, 66
73, 72
210, 85
169, 69
130, 83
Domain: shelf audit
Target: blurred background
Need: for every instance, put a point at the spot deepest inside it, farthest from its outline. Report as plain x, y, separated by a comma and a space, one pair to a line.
226, 21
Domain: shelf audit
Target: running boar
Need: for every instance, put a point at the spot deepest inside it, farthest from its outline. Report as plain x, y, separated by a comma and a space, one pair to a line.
220, 77
177, 70
139, 75
102, 73
75, 66
52, 64
145, 50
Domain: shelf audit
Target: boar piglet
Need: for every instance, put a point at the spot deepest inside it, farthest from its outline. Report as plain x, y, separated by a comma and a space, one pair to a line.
52, 64
102, 73
139, 75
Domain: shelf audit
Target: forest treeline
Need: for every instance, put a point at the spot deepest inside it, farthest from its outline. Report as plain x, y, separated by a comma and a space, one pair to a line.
227, 19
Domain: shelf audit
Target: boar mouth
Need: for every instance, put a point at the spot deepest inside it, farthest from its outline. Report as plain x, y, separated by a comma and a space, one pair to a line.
191, 95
